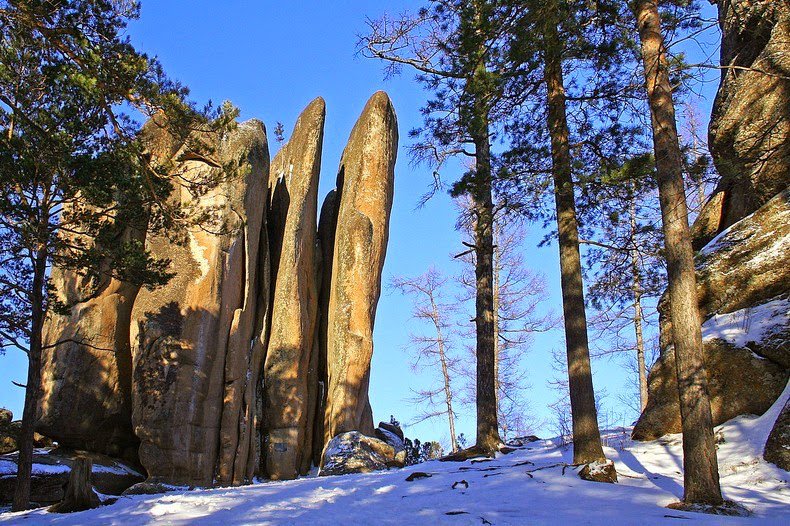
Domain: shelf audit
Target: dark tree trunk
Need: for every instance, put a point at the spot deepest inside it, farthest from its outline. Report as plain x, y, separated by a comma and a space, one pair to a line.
586, 435
701, 475
25, 460
488, 440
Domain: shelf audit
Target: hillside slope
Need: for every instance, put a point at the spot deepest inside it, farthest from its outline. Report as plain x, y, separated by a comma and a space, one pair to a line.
525, 487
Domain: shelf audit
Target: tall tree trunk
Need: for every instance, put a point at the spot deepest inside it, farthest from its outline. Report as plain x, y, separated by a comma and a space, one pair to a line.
701, 475
448, 392
487, 422
636, 288
586, 435
25, 459
488, 440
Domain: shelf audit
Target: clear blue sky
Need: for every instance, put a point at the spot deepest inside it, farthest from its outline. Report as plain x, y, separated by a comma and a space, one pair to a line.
272, 58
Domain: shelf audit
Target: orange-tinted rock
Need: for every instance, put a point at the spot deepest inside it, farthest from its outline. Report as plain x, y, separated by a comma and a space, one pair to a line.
86, 373
365, 190
750, 124
196, 341
289, 397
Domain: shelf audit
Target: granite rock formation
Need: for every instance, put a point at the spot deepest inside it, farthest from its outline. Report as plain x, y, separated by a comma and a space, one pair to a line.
258, 350
777, 448
750, 125
86, 389
743, 231
289, 375
364, 200
743, 285
196, 341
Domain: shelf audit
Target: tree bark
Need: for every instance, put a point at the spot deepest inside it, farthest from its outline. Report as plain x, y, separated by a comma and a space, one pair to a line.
586, 435
25, 460
488, 439
79, 494
701, 475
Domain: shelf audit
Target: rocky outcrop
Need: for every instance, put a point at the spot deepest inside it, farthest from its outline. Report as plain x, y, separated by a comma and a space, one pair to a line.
743, 285
10, 430
777, 448
750, 125
327, 224
364, 197
393, 436
353, 452
290, 370
196, 341
739, 382
51, 471
86, 374
243, 364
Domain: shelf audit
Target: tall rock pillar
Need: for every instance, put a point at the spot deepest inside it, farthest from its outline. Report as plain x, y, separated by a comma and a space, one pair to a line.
365, 184
289, 402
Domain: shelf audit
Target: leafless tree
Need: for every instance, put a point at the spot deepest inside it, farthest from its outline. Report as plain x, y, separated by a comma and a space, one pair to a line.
431, 349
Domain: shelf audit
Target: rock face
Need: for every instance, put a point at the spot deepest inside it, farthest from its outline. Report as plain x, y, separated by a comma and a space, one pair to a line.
750, 124
777, 448
353, 452
740, 382
51, 471
86, 375
11, 429
290, 369
743, 286
258, 350
196, 341
364, 197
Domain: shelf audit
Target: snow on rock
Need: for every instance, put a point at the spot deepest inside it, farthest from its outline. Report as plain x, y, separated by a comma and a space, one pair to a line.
530, 486
754, 324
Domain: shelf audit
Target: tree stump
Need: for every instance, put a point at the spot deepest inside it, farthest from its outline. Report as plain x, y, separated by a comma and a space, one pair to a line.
78, 494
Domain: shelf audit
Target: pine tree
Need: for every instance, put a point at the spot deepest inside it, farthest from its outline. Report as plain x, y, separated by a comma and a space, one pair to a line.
455, 47
700, 466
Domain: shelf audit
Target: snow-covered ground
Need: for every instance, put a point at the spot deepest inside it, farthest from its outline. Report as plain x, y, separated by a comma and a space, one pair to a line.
525, 487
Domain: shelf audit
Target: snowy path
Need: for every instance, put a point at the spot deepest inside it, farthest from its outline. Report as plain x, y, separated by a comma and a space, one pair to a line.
504, 491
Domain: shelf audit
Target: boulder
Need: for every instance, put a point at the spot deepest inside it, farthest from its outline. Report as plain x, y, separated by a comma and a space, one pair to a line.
743, 285
739, 382
749, 132
522, 441
393, 436
599, 471
198, 341
10, 431
364, 192
51, 470
392, 428
353, 452
86, 371
289, 402
777, 448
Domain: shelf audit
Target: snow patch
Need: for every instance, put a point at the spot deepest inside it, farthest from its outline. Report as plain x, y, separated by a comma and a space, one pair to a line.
753, 324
